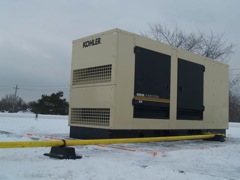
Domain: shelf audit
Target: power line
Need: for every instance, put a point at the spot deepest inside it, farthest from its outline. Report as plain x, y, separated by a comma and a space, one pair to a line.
15, 97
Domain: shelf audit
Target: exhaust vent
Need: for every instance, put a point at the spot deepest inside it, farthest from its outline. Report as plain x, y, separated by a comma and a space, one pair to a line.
92, 75
90, 116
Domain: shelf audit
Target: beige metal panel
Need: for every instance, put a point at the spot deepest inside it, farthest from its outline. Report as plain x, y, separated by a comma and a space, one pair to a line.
101, 54
98, 35
88, 126
183, 54
125, 82
139, 123
70, 96
93, 97
188, 124
153, 45
216, 95
92, 55
173, 90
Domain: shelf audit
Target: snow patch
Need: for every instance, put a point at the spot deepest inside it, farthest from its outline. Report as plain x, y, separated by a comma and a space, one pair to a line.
164, 160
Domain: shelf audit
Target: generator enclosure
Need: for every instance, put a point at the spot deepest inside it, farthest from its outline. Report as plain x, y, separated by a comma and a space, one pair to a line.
126, 85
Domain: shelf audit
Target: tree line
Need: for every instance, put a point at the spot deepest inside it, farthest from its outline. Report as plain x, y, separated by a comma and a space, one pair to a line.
9, 101
47, 104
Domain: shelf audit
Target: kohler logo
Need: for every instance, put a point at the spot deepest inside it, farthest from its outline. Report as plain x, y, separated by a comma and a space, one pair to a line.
92, 42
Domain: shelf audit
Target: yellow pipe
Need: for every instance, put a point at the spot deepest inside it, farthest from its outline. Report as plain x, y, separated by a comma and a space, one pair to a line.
136, 140
27, 144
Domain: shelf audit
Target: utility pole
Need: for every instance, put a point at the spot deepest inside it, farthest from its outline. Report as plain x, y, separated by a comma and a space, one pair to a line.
15, 97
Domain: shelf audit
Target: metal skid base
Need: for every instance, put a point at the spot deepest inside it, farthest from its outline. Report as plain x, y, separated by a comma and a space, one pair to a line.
96, 133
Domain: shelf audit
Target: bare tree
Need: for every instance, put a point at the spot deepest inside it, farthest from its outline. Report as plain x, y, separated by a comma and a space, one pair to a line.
6, 103
234, 99
211, 46
234, 104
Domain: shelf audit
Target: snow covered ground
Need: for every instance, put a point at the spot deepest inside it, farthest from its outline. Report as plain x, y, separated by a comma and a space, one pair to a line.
164, 160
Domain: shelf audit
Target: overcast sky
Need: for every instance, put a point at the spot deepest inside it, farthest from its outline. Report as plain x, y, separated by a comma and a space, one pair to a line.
36, 35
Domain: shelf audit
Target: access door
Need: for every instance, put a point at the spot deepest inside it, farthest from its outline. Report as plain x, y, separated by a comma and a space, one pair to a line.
190, 90
152, 84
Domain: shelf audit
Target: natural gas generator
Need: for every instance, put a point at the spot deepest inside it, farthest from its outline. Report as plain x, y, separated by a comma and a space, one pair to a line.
126, 85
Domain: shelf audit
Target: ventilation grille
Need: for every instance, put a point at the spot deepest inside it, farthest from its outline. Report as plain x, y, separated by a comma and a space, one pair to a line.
92, 75
90, 116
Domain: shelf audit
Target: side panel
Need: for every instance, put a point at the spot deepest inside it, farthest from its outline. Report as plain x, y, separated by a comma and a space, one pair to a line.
92, 106
162, 80
216, 95
125, 82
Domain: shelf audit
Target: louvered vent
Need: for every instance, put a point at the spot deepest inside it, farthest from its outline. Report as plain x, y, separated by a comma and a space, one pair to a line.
92, 75
90, 116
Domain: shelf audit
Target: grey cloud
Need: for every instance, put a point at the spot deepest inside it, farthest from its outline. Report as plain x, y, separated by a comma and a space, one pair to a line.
36, 36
